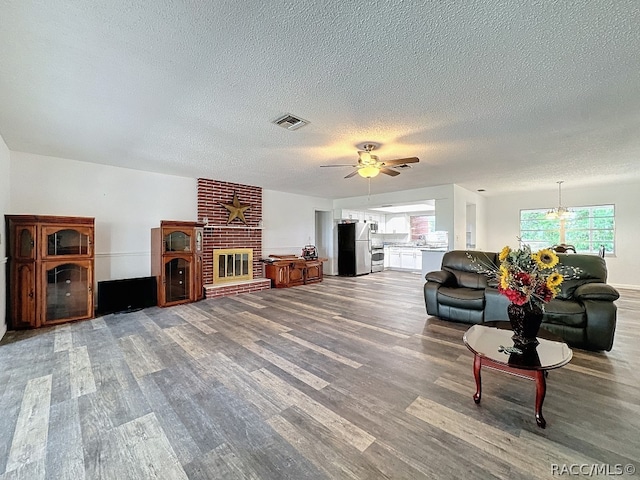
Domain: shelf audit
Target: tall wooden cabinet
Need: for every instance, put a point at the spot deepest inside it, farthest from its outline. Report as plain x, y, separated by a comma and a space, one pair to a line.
176, 261
51, 269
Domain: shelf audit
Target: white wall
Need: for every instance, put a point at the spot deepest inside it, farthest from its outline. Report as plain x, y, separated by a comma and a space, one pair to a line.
503, 221
126, 204
5, 176
462, 199
289, 221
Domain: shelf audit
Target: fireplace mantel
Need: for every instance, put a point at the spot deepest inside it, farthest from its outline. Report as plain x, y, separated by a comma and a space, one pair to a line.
235, 227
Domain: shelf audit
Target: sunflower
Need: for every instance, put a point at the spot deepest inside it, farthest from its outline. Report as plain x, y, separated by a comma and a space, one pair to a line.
504, 253
554, 280
545, 258
504, 277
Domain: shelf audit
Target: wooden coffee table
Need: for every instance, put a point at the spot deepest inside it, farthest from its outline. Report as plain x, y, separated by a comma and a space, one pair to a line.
492, 346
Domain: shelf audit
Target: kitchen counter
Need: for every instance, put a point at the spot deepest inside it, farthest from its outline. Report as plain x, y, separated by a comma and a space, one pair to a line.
419, 247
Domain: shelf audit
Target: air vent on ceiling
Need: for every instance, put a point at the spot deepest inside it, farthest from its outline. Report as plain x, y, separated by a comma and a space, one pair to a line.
290, 122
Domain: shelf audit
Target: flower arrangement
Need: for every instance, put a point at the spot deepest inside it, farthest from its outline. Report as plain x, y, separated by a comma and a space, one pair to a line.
525, 276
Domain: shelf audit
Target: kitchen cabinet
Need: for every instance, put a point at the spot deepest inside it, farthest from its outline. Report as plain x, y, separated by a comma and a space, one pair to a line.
353, 215
176, 261
404, 258
371, 217
397, 224
407, 258
51, 269
395, 258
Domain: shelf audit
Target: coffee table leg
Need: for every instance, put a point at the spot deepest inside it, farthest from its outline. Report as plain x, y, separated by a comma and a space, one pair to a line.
477, 363
541, 390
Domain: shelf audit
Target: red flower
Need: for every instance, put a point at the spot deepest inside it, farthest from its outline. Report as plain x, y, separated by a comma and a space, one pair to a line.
514, 296
523, 278
544, 293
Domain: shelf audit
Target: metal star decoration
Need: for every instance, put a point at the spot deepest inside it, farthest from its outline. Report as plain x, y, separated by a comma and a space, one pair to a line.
236, 209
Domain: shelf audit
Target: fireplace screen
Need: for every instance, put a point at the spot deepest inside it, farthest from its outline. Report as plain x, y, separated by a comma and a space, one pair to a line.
231, 265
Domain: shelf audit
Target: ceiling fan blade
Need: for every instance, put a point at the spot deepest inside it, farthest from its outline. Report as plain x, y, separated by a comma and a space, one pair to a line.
388, 171
340, 165
352, 174
401, 161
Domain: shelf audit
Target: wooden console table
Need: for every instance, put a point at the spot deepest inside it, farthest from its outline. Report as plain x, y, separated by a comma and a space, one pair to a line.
291, 270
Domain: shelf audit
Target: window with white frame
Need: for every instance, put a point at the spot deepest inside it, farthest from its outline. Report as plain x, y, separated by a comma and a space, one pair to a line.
421, 226
587, 229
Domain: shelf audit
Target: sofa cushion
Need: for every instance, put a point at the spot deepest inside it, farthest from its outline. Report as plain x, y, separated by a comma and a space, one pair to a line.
592, 269
461, 314
565, 312
468, 298
465, 266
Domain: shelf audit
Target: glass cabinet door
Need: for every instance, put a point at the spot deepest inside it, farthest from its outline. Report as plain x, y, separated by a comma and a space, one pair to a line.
177, 287
66, 241
176, 241
67, 291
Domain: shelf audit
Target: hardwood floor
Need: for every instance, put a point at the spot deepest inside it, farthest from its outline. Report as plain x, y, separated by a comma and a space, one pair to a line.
348, 378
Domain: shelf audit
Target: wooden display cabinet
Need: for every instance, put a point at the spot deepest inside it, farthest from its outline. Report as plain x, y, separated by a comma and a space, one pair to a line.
51, 269
176, 261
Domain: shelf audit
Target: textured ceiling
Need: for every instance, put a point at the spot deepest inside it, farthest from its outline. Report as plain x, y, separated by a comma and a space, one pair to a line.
502, 95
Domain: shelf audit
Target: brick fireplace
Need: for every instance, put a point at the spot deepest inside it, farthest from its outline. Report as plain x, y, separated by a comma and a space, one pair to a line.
236, 235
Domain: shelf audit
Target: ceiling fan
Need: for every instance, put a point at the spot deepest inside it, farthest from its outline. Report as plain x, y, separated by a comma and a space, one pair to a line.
369, 165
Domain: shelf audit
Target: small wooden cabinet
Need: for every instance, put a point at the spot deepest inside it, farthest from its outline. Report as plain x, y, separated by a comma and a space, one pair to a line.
313, 272
176, 261
290, 271
51, 269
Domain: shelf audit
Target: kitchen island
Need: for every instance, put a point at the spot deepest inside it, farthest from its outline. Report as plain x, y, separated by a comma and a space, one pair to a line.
431, 260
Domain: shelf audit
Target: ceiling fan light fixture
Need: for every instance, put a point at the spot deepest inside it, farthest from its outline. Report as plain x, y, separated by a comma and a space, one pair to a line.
368, 171
365, 157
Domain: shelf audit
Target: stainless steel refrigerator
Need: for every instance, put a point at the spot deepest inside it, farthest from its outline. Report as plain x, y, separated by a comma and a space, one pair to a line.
354, 249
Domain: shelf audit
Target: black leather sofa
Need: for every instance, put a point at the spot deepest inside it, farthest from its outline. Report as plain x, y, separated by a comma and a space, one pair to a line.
583, 313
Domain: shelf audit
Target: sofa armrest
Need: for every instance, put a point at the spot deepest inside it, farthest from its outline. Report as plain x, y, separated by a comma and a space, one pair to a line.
596, 291
601, 324
441, 276
495, 305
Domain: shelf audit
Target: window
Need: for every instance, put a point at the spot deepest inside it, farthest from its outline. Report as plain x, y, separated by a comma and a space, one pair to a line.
587, 229
421, 226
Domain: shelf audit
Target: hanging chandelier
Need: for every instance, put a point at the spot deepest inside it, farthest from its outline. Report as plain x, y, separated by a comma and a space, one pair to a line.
560, 212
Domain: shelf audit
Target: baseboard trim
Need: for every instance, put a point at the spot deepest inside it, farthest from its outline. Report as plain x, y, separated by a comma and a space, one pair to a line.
3, 330
626, 287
